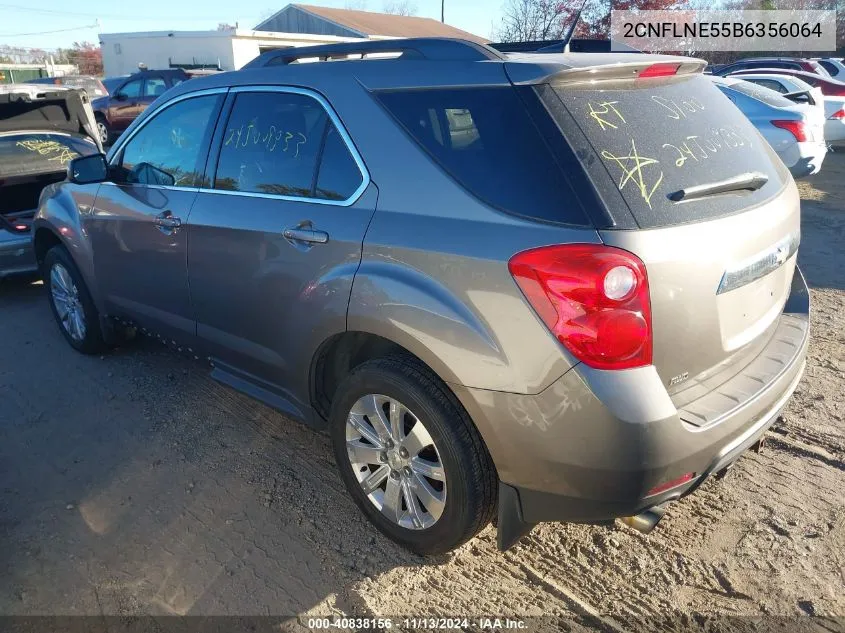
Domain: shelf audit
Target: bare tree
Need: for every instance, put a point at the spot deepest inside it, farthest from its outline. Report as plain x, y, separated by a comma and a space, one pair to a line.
527, 20
400, 7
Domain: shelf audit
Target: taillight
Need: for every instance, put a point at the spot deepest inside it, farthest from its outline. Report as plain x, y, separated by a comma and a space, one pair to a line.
593, 298
661, 69
796, 128
839, 114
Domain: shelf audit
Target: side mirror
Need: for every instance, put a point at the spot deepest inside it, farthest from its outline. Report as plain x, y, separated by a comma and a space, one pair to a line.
119, 96
88, 169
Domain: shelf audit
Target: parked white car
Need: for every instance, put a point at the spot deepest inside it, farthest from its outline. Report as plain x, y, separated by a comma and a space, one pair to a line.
833, 107
834, 66
795, 131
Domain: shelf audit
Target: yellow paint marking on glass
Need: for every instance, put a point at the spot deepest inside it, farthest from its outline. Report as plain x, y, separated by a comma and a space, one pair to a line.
602, 114
270, 139
63, 154
632, 167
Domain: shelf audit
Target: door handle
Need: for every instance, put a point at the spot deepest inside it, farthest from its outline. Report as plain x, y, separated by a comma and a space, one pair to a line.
306, 235
167, 220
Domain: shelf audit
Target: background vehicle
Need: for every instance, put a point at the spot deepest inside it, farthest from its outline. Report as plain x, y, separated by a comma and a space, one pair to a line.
91, 85
794, 89
829, 87
795, 131
783, 63
480, 319
112, 83
41, 130
834, 66
116, 111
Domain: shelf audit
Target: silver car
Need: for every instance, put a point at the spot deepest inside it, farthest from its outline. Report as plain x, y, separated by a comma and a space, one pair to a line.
556, 287
794, 130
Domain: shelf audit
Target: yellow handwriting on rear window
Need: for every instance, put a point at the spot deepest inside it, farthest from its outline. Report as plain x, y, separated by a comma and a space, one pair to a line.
606, 114
57, 152
633, 171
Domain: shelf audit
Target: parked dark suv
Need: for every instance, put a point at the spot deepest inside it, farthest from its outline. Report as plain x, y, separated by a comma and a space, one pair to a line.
116, 111
562, 287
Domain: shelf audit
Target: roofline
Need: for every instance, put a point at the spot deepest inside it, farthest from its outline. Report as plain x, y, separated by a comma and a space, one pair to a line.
322, 17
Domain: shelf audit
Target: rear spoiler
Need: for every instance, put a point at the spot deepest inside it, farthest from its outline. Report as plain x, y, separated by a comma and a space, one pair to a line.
593, 68
801, 96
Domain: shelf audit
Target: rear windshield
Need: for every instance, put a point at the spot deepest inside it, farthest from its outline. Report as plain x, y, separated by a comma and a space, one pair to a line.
656, 138
820, 69
34, 154
90, 85
760, 93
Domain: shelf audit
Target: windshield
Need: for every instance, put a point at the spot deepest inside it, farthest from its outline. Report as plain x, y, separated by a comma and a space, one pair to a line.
112, 83
30, 154
656, 138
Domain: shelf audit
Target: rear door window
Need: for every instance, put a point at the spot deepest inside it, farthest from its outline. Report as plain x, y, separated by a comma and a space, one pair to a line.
656, 138
486, 140
154, 87
271, 144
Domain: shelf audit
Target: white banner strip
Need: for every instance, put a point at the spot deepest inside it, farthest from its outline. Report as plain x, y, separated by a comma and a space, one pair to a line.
738, 30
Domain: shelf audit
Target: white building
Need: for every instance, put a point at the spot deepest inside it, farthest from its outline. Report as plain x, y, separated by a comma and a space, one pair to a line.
230, 49
225, 50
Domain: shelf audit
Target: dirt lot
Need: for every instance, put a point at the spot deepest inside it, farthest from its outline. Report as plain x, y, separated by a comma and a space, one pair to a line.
133, 484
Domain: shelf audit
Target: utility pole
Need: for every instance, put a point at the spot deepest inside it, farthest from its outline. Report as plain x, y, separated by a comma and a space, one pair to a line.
443, 11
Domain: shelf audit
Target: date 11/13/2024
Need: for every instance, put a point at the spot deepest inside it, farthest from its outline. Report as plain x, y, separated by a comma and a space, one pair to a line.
417, 623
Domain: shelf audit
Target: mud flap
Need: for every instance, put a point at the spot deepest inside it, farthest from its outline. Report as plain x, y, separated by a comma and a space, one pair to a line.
511, 527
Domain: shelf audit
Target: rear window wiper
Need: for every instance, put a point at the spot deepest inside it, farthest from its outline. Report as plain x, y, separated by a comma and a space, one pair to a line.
750, 181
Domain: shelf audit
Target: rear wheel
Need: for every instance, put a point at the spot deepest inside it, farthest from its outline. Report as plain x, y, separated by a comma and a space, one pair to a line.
411, 457
71, 302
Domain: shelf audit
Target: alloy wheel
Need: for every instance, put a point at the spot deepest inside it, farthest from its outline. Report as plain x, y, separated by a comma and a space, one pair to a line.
65, 296
103, 131
396, 462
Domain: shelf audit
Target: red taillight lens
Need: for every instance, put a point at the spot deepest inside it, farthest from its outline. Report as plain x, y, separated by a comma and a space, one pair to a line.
661, 69
839, 114
593, 298
796, 128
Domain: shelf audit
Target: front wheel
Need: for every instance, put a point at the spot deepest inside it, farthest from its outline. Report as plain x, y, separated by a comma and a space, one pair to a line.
71, 302
103, 130
411, 457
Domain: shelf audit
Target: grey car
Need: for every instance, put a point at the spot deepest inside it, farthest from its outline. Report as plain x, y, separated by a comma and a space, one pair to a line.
551, 287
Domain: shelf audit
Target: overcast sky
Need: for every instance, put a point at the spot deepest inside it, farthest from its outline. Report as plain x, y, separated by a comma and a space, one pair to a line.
26, 23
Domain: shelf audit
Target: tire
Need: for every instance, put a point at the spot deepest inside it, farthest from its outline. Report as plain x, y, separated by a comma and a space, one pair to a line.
62, 278
103, 129
470, 483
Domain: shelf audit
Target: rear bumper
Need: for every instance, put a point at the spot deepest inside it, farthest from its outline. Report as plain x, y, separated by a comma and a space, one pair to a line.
593, 446
805, 159
16, 254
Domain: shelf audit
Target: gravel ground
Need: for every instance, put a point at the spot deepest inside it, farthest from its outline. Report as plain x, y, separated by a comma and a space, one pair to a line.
133, 484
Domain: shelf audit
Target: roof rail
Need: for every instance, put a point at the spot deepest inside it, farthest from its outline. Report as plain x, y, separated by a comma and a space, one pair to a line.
429, 48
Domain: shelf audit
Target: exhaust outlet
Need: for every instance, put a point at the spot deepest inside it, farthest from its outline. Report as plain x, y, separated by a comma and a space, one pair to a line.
645, 521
